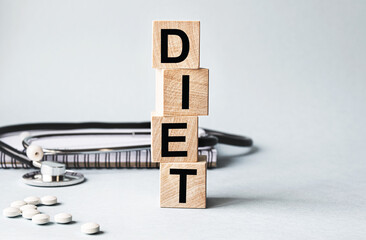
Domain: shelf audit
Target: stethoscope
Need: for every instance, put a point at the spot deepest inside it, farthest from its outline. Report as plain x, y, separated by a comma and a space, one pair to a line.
54, 174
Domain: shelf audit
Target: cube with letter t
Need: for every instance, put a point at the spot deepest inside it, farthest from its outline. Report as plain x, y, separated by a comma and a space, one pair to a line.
183, 185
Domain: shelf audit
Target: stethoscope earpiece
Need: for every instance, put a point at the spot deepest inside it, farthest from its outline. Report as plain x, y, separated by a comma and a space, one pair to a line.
34, 152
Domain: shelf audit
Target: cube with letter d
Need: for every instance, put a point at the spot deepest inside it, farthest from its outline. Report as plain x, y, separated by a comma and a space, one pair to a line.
176, 44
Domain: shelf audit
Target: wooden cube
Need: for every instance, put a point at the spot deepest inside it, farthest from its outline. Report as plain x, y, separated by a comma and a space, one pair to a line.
176, 44
182, 92
183, 185
174, 138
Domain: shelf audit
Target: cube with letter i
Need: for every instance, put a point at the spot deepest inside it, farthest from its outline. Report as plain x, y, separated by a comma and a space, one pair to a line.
182, 92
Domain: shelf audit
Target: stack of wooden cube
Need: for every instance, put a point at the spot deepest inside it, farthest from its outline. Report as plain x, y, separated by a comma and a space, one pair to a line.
181, 96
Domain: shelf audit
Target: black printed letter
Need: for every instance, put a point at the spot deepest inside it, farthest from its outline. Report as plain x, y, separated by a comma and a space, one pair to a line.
164, 45
183, 181
165, 139
185, 92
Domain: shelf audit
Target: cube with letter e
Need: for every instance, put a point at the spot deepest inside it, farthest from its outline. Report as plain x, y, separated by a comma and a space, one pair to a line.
174, 138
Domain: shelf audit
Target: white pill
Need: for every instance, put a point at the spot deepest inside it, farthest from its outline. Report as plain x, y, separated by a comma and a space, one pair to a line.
18, 204
32, 200
11, 212
49, 200
90, 228
28, 214
63, 218
41, 219
27, 207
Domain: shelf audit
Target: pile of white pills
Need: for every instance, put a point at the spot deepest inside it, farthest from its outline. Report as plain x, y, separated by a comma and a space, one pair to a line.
29, 210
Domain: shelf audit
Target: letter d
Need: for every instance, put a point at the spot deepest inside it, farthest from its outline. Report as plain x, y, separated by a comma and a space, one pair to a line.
164, 46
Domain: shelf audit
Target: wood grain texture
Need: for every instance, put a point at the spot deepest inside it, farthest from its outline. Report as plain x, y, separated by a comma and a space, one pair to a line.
191, 29
169, 92
195, 185
190, 145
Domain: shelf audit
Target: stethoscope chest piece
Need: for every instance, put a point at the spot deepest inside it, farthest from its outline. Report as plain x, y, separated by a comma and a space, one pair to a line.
52, 174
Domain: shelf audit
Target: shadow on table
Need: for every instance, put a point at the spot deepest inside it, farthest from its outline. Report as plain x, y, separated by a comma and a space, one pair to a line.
215, 202
225, 160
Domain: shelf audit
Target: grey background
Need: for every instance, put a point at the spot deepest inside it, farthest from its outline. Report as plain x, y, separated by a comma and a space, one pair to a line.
290, 74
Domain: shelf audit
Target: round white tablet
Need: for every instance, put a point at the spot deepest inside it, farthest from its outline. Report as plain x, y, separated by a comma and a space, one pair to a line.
49, 200
18, 204
32, 200
27, 207
11, 212
90, 228
28, 214
63, 218
41, 219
